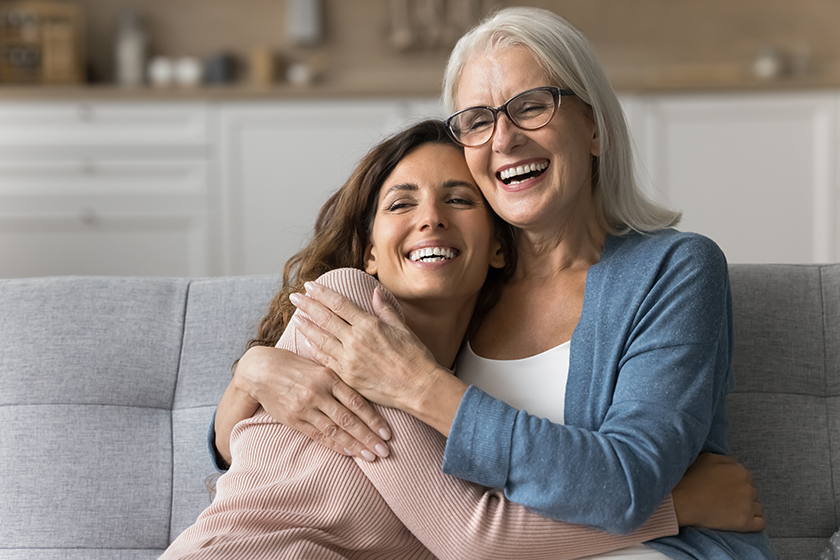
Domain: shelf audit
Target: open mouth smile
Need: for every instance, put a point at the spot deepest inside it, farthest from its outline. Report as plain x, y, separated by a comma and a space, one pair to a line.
515, 175
433, 254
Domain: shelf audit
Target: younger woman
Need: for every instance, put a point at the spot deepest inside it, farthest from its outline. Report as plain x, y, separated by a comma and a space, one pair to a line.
412, 216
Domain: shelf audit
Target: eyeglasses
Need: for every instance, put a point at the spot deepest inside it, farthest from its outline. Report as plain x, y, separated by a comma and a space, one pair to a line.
528, 110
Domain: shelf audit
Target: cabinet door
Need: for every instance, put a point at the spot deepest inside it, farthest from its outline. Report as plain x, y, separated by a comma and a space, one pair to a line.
755, 172
106, 188
133, 237
279, 164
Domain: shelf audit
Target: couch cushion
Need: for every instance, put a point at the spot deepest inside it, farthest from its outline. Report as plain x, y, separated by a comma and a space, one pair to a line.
87, 380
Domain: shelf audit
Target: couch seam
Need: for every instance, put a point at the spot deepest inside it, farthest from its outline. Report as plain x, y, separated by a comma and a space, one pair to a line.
172, 410
826, 367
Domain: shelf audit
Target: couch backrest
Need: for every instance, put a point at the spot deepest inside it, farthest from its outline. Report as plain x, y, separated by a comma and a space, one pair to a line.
785, 410
107, 387
105, 412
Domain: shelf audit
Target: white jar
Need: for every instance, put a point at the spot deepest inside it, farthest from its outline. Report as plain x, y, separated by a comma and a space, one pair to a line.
161, 72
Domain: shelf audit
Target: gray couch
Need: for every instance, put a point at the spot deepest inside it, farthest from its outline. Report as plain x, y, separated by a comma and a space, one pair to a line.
107, 386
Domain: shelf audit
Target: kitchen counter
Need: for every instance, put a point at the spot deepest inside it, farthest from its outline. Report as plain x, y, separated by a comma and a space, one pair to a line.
675, 79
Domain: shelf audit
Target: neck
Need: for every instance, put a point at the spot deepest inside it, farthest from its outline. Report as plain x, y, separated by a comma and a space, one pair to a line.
574, 245
440, 326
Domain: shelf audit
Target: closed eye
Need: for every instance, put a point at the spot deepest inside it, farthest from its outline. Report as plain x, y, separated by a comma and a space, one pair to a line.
461, 201
398, 205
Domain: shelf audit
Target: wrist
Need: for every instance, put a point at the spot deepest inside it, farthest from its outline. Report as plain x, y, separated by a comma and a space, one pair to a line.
683, 509
245, 383
437, 400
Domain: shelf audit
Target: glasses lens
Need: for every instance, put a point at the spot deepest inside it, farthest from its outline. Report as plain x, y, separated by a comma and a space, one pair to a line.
473, 127
532, 109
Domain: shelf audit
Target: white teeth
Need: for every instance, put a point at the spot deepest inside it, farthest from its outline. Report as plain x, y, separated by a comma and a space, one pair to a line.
522, 169
432, 254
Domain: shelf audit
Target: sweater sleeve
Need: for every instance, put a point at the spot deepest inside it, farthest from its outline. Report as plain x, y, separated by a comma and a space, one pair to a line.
653, 378
456, 519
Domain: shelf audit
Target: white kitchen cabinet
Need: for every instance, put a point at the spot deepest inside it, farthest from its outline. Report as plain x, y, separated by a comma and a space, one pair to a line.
280, 161
755, 172
194, 188
104, 188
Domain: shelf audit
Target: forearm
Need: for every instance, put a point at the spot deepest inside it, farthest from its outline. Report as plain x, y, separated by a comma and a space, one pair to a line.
235, 405
612, 478
433, 506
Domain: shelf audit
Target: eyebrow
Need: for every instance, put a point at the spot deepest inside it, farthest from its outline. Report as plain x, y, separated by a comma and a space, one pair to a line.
412, 187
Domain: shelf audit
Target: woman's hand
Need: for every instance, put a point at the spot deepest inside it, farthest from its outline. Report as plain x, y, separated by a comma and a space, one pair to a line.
378, 356
302, 395
718, 493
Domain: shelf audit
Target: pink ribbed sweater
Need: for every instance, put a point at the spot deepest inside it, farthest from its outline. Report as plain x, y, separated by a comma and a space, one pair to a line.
287, 496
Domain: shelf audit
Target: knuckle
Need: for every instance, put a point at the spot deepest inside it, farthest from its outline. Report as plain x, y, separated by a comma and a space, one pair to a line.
339, 305
356, 403
346, 420
330, 431
295, 406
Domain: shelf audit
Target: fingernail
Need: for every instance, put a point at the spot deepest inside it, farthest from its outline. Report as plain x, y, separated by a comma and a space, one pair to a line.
384, 434
368, 456
311, 286
348, 451
381, 450
294, 298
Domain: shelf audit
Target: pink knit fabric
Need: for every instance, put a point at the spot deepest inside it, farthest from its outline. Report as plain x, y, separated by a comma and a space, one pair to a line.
286, 496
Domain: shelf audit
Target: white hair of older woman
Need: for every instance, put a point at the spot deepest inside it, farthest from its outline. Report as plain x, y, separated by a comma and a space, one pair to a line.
566, 55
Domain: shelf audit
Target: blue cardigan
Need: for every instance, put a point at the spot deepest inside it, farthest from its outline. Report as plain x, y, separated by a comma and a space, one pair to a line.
648, 374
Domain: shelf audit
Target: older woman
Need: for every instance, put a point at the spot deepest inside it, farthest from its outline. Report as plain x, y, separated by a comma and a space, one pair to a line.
614, 333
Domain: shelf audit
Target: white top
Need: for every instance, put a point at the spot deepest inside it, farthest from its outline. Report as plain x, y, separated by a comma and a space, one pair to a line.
536, 384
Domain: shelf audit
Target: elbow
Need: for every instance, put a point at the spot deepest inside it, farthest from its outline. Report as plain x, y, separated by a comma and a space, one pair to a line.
624, 525
628, 517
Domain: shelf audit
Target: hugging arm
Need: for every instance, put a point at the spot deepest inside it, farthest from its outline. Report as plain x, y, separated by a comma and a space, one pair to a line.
456, 519
303, 395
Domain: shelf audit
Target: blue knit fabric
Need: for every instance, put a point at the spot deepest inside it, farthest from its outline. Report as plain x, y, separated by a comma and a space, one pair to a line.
649, 371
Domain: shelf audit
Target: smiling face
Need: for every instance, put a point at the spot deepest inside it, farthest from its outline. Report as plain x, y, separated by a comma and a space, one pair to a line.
433, 236
533, 179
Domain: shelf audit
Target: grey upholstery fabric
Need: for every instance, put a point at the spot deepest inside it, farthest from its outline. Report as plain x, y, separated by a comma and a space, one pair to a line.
784, 409
107, 387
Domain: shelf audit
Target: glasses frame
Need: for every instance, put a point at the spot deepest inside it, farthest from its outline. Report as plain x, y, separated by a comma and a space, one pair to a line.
556, 92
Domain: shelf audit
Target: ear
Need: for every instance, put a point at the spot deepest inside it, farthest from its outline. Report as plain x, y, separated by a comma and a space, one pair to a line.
497, 255
595, 146
370, 260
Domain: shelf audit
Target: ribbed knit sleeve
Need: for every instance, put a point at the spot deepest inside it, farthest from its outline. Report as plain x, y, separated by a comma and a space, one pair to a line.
460, 520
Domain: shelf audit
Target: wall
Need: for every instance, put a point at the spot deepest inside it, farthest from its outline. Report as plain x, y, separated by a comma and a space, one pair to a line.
644, 44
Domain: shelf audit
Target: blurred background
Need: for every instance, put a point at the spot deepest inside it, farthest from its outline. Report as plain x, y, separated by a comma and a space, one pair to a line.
200, 137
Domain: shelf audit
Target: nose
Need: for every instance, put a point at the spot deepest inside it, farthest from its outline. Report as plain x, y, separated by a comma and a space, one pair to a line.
506, 136
433, 215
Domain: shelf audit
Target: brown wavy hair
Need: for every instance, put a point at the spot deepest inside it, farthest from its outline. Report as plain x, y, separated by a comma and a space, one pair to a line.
344, 224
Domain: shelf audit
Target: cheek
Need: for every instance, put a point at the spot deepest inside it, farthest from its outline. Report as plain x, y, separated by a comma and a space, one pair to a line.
478, 162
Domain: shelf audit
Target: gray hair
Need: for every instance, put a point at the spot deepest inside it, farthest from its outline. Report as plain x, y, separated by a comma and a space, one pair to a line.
568, 58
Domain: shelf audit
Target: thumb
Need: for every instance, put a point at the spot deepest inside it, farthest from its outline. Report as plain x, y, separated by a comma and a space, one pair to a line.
384, 310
